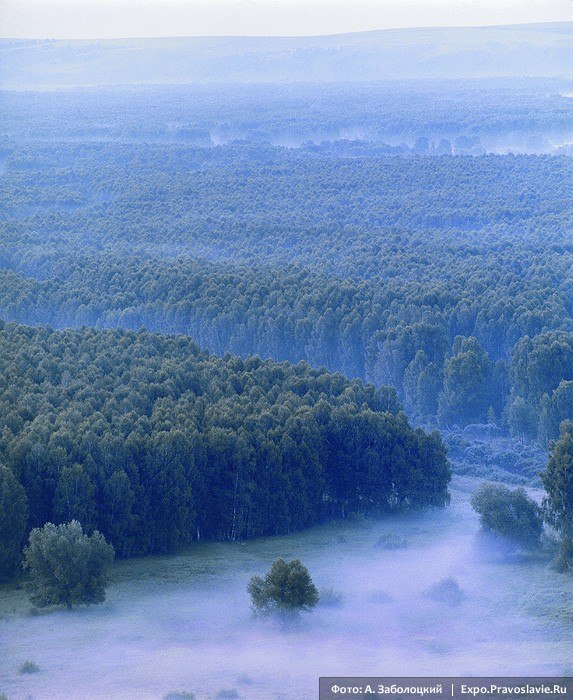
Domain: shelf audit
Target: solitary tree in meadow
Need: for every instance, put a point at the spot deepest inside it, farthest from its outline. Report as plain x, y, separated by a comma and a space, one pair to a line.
287, 587
67, 567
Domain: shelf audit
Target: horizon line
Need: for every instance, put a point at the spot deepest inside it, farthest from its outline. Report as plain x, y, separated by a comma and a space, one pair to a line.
291, 36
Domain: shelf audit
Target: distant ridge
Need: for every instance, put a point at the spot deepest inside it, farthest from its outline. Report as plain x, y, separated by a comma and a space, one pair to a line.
526, 50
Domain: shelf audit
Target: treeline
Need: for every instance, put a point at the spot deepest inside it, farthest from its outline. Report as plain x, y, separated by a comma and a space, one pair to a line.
156, 443
233, 197
427, 343
448, 278
518, 518
519, 112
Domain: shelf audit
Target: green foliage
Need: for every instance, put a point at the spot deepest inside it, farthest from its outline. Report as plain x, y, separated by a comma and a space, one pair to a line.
413, 272
66, 567
422, 385
522, 418
286, 587
74, 497
466, 396
558, 482
541, 369
564, 558
13, 520
554, 410
511, 514
293, 112
157, 444
538, 365
485, 451
420, 250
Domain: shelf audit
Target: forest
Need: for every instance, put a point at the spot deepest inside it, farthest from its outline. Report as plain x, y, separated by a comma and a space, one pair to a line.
448, 278
286, 359
157, 444
243, 325
392, 117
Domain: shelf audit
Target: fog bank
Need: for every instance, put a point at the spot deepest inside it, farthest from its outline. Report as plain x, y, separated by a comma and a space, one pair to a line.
422, 594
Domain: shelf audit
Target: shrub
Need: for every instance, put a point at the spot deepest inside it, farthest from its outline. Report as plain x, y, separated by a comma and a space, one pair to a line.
66, 566
29, 667
390, 540
329, 598
511, 514
446, 591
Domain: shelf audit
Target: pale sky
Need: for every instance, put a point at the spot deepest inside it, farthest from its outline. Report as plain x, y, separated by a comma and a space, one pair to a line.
89, 19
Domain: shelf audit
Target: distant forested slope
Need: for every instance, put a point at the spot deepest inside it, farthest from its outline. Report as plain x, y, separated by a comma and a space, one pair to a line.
520, 50
374, 229
356, 118
406, 222
157, 444
449, 278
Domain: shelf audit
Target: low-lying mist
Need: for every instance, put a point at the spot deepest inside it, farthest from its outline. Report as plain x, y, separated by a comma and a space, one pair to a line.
424, 594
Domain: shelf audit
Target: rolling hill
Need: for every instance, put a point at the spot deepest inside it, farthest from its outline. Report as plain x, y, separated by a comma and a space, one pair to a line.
542, 50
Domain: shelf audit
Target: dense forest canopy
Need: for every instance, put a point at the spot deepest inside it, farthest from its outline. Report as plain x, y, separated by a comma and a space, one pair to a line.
458, 116
156, 443
378, 245
442, 272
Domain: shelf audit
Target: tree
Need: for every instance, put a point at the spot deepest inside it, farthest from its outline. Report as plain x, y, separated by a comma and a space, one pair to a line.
558, 482
422, 385
66, 566
159, 444
74, 497
540, 364
511, 514
555, 410
287, 587
13, 519
116, 517
467, 384
522, 418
